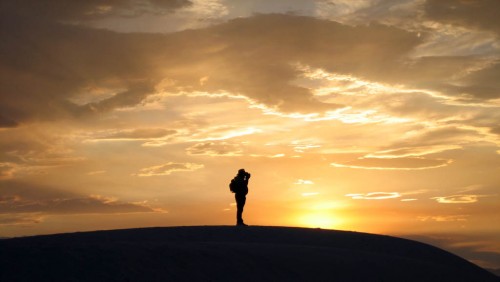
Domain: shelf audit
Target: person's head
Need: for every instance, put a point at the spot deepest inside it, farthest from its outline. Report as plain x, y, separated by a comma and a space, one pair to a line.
243, 174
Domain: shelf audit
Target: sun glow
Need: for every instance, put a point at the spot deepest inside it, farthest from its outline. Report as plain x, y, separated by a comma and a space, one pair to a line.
319, 220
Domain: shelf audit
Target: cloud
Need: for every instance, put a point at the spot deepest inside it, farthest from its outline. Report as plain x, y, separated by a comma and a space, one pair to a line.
282, 45
303, 181
34, 150
7, 170
137, 134
496, 130
135, 94
440, 136
24, 198
44, 64
227, 133
480, 82
20, 219
443, 218
412, 151
440, 122
394, 163
402, 13
167, 169
6, 122
83, 205
48, 63
374, 196
414, 148
457, 199
215, 149
78, 11
465, 13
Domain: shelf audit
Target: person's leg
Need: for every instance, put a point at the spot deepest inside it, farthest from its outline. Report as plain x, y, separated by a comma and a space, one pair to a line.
240, 204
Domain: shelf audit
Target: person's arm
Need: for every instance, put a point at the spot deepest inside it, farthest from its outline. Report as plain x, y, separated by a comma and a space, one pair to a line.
247, 178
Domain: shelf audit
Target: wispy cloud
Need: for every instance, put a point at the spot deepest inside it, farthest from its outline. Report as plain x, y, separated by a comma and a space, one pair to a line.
215, 149
394, 163
303, 181
20, 219
457, 199
230, 134
374, 196
443, 218
408, 200
412, 151
167, 169
7, 170
133, 134
92, 204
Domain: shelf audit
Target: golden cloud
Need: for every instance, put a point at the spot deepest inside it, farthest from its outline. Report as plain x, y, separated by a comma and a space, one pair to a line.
374, 196
215, 149
167, 169
457, 199
443, 218
394, 163
25, 198
137, 134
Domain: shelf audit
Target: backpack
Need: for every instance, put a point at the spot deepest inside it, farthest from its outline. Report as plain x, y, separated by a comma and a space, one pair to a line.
233, 186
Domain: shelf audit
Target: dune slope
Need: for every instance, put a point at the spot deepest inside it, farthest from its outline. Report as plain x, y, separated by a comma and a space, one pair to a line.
227, 253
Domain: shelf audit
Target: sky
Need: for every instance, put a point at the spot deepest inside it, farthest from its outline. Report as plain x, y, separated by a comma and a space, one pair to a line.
377, 116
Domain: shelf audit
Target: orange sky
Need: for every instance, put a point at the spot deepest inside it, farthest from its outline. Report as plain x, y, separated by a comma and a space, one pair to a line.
372, 116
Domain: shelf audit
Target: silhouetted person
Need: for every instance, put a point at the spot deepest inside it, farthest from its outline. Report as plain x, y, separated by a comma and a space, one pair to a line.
239, 186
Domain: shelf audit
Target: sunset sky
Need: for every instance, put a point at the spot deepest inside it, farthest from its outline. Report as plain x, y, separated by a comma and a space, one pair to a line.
377, 116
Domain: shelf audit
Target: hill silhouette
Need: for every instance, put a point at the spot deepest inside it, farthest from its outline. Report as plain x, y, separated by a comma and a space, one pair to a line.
227, 253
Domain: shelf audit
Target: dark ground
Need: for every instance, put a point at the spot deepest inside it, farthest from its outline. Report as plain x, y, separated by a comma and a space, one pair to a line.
227, 253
